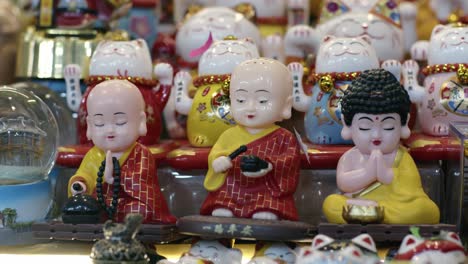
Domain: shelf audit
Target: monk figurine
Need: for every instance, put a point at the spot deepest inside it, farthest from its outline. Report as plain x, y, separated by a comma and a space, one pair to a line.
118, 171
261, 183
378, 172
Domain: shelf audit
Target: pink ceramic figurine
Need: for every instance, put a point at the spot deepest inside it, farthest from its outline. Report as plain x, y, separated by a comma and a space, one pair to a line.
261, 183
378, 174
120, 172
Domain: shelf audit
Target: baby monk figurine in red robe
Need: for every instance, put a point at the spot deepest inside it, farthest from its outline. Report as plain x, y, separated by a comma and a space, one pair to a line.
118, 171
261, 183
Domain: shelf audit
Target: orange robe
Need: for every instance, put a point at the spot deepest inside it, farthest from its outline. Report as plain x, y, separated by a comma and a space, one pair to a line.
139, 187
245, 196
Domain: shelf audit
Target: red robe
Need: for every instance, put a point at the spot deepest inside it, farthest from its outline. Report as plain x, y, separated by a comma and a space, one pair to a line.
273, 192
139, 188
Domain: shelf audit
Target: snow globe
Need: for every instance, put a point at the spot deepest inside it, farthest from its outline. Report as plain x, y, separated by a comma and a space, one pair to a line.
28, 135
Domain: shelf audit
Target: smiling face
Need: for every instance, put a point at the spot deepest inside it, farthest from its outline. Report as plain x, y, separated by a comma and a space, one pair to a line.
261, 93
215, 252
224, 55
372, 132
281, 251
346, 54
448, 44
116, 116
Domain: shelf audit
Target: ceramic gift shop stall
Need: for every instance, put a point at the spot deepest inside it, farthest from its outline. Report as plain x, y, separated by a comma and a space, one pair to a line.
252, 132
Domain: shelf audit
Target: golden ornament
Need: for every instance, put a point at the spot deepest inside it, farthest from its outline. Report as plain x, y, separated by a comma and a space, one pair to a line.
462, 74
326, 83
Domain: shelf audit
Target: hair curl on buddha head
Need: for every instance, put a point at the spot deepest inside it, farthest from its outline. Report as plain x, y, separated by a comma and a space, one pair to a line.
375, 92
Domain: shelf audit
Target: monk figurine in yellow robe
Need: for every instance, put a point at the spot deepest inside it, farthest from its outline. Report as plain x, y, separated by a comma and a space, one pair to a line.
378, 172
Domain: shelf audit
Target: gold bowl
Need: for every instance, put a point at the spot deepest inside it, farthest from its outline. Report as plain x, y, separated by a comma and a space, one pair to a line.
358, 214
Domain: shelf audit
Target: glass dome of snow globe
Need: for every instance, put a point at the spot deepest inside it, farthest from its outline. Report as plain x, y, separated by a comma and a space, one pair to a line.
28, 137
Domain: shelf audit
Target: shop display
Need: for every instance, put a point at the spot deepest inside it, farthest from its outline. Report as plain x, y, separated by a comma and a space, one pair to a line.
131, 61
442, 98
116, 164
378, 177
209, 110
359, 250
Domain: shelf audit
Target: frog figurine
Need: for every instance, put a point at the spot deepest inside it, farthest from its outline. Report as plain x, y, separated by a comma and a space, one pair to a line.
209, 110
359, 250
129, 60
444, 95
444, 248
209, 252
390, 26
339, 61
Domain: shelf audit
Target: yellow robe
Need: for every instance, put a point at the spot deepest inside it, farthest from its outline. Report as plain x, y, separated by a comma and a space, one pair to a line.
404, 200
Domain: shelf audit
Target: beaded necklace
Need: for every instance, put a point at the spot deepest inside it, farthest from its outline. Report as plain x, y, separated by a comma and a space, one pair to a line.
115, 192
460, 68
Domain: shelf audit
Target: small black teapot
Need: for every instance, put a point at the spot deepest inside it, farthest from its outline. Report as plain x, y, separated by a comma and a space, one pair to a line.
81, 209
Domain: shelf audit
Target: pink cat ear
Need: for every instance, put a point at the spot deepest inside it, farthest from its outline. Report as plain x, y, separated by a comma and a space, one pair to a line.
327, 38
366, 39
320, 241
438, 29
409, 242
365, 241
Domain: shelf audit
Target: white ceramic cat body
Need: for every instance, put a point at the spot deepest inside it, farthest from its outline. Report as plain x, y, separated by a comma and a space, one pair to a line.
209, 250
220, 22
275, 253
323, 114
354, 18
444, 96
122, 58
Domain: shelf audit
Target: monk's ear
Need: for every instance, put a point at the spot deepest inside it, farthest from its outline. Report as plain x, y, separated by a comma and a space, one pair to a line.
142, 124
88, 128
346, 132
405, 130
287, 108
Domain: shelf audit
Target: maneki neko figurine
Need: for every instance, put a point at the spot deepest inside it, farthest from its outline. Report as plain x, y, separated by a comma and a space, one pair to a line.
339, 61
447, 247
261, 183
378, 178
442, 99
358, 250
209, 112
120, 172
124, 60
209, 251
273, 253
389, 26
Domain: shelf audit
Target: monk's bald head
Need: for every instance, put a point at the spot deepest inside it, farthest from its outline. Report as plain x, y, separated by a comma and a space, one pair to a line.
116, 92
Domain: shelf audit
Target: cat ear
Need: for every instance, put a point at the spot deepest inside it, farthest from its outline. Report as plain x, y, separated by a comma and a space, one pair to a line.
409, 242
437, 29
353, 252
320, 241
327, 38
366, 39
452, 236
365, 241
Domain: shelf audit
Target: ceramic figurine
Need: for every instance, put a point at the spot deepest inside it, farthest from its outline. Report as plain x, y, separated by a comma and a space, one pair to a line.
119, 243
124, 60
339, 61
378, 174
261, 183
443, 97
389, 26
447, 8
209, 251
120, 172
209, 112
273, 253
324, 249
445, 248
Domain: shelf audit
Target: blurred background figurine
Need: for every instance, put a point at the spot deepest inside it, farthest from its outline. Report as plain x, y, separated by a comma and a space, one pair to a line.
378, 174
120, 172
261, 183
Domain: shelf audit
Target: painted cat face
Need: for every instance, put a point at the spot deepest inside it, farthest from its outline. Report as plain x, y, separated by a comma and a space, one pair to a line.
220, 22
281, 251
224, 55
385, 37
121, 58
346, 55
215, 252
447, 248
448, 44
263, 8
325, 250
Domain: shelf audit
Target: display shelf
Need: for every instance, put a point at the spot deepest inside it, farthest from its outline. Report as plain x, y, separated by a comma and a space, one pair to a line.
423, 147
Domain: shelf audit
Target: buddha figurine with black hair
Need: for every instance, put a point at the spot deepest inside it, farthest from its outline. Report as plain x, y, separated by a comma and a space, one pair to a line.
378, 173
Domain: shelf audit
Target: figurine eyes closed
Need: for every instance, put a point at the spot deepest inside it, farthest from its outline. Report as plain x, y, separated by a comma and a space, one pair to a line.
120, 119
